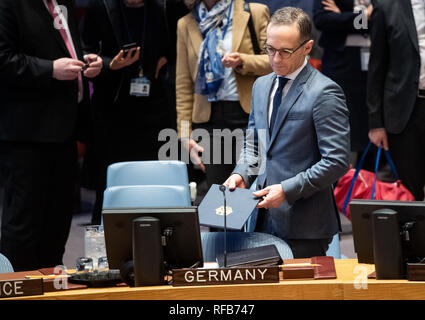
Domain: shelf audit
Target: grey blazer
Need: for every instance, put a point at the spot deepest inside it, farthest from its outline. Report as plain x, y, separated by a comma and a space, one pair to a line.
306, 153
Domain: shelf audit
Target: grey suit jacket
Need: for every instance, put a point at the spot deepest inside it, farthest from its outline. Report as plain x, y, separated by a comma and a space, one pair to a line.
306, 153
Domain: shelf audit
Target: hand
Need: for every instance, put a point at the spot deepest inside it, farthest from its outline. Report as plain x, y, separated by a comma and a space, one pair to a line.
369, 11
161, 62
330, 5
232, 60
273, 196
66, 69
235, 181
379, 137
194, 150
94, 65
119, 61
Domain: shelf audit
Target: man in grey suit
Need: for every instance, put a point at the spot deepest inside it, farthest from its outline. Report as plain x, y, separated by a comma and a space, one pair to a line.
297, 143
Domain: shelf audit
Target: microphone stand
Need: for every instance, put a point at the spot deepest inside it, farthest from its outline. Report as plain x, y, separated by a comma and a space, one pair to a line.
223, 189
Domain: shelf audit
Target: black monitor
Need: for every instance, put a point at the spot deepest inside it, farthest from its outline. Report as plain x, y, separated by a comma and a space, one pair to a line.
411, 219
183, 247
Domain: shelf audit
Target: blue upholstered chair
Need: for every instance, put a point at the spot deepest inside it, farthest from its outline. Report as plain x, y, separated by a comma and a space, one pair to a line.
5, 265
148, 173
334, 249
213, 243
146, 196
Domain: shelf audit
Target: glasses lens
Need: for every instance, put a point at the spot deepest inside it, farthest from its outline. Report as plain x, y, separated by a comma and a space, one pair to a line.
269, 50
272, 51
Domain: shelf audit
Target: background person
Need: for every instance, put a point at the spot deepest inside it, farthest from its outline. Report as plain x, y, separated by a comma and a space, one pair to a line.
396, 87
127, 121
43, 94
216, 34
345, 58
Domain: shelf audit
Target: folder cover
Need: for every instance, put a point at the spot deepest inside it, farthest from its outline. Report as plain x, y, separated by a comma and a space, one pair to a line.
239, 205
259, 256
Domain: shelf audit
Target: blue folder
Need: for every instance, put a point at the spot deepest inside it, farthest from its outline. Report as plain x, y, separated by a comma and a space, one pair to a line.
239, 205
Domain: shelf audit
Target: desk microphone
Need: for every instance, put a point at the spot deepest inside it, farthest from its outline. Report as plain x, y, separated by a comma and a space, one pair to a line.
223, 189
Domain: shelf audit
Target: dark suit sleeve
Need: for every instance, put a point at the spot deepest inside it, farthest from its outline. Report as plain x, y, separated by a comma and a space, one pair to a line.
326, 20
16, 67
377, 69
90, 34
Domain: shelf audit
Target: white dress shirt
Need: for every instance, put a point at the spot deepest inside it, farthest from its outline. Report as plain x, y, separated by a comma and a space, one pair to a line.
418, 7
228, 90
286, 88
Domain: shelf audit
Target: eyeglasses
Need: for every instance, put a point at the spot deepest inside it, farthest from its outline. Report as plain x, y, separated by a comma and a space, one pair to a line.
284, 53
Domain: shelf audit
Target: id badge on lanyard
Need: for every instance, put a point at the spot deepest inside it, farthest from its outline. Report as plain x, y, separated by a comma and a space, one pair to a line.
140, 86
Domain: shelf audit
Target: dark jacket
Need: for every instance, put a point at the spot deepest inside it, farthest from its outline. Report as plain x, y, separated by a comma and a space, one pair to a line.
394, 66
343, 64
35, 107
104, 32
326, 21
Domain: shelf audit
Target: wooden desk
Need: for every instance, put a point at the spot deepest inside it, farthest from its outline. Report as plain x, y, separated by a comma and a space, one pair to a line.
351, 284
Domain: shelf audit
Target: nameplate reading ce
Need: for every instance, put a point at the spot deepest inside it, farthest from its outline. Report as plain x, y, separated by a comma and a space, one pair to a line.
223, 276
21, 287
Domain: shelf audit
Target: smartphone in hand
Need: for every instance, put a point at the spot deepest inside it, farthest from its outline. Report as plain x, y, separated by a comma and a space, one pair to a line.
127, 48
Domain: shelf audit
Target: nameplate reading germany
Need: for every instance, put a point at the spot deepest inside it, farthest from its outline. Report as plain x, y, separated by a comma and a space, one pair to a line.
20, 287
240, 275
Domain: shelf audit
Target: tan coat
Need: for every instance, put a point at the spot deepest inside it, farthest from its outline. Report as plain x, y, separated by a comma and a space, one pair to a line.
195, 108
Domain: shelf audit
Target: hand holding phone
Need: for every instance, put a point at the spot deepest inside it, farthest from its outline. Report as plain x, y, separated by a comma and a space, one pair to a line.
122, 60
128, 48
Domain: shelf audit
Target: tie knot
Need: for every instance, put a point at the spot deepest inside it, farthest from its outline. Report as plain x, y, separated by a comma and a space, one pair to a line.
282, 82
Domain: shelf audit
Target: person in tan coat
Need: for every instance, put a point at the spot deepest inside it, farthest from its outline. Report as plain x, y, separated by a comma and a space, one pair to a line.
216, 68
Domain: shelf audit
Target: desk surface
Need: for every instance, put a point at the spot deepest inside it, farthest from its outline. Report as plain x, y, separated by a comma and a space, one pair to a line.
351, 284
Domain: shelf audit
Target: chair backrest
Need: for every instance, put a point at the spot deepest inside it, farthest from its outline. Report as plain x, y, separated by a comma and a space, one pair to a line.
213, 243
334, 249
147, 172
145, 196
5, 265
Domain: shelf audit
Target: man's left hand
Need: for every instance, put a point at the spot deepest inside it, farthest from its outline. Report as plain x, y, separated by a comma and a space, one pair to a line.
95, 64
232, 60
273, 196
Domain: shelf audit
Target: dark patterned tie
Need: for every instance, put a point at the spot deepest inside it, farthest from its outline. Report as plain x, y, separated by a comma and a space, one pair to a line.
277, 100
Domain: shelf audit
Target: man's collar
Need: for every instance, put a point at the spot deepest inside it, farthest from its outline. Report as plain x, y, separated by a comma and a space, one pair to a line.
293, 75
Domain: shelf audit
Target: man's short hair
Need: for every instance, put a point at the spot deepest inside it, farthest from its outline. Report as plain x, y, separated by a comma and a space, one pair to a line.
289, 16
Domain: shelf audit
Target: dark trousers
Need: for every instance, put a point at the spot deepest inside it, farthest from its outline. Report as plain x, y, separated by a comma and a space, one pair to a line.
40, 182
224, 115
408, 151
307, 248
301, 248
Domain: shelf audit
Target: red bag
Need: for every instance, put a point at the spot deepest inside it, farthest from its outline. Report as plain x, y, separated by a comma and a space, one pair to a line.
362, 184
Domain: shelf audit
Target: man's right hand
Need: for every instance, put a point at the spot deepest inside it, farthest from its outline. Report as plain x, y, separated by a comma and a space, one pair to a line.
119, 61
379, 137
235, 181
66, 68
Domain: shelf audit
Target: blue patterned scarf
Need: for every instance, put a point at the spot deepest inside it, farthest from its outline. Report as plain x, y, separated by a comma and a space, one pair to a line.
213, 25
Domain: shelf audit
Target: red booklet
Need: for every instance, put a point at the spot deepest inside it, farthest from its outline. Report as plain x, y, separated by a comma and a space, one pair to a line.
314, 268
